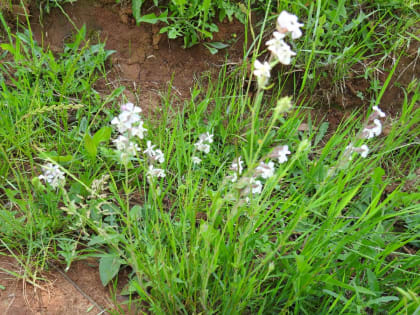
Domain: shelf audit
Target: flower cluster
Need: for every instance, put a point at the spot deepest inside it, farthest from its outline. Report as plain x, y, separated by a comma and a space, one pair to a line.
131, 126
130, 121
52, 175
286, 24
373, 128
264, 170
202, 145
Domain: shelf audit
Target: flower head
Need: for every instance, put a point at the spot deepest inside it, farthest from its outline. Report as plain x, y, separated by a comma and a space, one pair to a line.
121, 125
363, 150
265, 170
52, 175
155, 172
129, 115
137, 131
262, 72
237, 165
130, 108
121, 143
203, 147
287, 22
280, 152
206, 137
372, 130
159, 156
150, 149
254, 186
378, 111
196, 160
280, 49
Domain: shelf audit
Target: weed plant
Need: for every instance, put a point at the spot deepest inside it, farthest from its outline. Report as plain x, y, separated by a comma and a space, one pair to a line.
188, 202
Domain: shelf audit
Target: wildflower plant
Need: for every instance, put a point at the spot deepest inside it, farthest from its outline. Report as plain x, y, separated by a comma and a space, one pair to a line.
213, 210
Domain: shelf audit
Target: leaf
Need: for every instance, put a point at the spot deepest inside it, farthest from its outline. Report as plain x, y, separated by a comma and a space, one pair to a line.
129, 288
173, 33
90, 146
102, 135
212, 50
153, 19
321, 132
382, 300
136, 7
218, 45
108, 267
57, 158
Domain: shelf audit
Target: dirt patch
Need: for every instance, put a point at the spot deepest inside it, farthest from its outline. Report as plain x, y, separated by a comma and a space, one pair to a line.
145, 61
78, 291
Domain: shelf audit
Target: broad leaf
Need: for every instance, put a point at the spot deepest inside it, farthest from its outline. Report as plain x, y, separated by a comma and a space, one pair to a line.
90, 146
108, 267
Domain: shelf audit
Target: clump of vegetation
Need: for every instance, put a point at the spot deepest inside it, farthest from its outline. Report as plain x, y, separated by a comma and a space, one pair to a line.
223, 206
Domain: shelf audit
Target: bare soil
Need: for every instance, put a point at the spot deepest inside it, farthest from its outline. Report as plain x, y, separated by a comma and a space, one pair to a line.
59, 293
145, 61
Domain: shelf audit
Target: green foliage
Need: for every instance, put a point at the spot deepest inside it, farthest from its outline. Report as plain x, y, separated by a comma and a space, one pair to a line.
191, 20
342, 35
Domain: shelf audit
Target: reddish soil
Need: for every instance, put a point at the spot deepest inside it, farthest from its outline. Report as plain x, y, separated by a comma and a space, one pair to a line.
145, 62
339, 101
60, 293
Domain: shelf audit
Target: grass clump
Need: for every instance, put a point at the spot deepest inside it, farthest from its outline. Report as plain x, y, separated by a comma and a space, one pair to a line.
222, 206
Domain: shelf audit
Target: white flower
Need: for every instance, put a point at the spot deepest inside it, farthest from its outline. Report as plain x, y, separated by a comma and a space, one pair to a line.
280, 153
265, 170
130, 108
129, 113
122, 125
121, 143
196, 160
378, 111
287, 22
138, 130
237, 165
262, 72
206, 137
129, 118
255, 187
159, 156
372, 130
233, 178
280, 49
149, 150
155, 172
363, 150
52, 175
126, 148
203, 147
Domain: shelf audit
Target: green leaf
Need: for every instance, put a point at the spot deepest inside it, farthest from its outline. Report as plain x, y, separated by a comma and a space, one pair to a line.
153, 19
218, 45
102, 135
108, 267
90, 146
136, 7
382, 300
321, 132
212, 50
